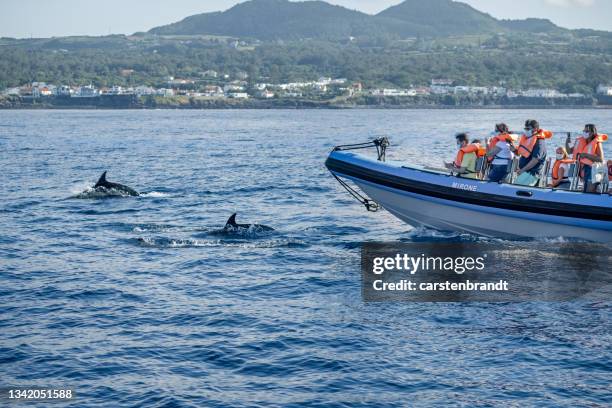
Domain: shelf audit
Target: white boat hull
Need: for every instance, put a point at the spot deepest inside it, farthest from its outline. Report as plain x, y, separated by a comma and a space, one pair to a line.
423, 212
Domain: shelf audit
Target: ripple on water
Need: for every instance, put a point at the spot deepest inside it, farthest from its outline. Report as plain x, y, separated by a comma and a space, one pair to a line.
148, 302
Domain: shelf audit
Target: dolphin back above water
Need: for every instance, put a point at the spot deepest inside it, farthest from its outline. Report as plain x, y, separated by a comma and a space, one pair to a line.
231, 225
107, 186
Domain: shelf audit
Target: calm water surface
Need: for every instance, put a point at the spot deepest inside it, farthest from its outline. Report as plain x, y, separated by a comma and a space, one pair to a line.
142, 302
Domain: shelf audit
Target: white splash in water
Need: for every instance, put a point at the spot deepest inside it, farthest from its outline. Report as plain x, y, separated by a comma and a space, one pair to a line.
155, 194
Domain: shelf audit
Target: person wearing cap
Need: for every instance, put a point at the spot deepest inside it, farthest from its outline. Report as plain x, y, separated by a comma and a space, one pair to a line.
532, 152
587, 150
499, 153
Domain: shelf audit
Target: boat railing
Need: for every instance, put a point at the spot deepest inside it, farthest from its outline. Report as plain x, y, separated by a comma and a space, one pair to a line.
544, 173
480, 167
511, 178
380, 144
604, 185
574, 176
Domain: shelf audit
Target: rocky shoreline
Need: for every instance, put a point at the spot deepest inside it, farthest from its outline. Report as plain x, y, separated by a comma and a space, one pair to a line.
184, 102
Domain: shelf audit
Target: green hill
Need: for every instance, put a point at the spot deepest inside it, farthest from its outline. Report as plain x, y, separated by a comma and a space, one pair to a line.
441, 17
276, 19
288, 20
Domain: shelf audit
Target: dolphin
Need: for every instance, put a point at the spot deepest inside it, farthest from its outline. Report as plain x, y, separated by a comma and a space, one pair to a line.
231, 225
105, 185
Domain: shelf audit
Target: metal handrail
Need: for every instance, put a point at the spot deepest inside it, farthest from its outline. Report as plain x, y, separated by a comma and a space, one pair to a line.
543, 182
381, 145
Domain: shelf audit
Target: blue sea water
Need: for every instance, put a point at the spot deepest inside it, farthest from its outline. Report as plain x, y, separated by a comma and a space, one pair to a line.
143, 302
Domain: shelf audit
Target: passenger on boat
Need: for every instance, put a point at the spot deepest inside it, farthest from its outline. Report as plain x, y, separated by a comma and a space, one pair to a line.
467, 156
587, 150
532, 152
561, 169
499, 153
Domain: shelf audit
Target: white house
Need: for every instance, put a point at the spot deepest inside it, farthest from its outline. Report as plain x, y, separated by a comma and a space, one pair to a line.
213, 91
320, 87
461, 90
144, 90
439, 89
394, 92
238, 95
338, 81
441, 82
482, 90
210, 74
87, 92
266, 94
11, 91
543, 93
233, 88
115, 90
42, 89
604, 90
497, 90
164, 92
64, 90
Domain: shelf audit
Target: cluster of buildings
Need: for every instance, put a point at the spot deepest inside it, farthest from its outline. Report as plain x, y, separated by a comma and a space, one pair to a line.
322, 86
42, 89
446, 87
211, 84
214, 86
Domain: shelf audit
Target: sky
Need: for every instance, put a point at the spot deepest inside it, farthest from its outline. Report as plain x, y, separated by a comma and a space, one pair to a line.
48, 18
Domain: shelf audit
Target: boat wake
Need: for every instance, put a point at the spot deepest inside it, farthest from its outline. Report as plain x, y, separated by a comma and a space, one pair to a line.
160, 228
155, 194
252, 231
419, 234
164, 242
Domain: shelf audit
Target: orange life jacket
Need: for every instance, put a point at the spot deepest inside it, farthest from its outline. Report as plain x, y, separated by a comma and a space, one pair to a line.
471, 148
505, 137
591, 147
557, 166
527, 144
501, 137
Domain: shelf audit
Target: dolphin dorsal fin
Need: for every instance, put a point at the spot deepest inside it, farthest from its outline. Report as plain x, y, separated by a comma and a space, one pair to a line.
101, 180
231, 221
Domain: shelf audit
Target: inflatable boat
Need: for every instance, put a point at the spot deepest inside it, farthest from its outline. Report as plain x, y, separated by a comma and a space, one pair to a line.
424, 197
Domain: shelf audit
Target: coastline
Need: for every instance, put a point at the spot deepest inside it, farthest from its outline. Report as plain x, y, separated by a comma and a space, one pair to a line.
131, 101
385, 107
299, 105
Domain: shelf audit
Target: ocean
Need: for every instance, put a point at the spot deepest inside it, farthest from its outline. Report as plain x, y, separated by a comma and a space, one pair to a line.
146, 302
